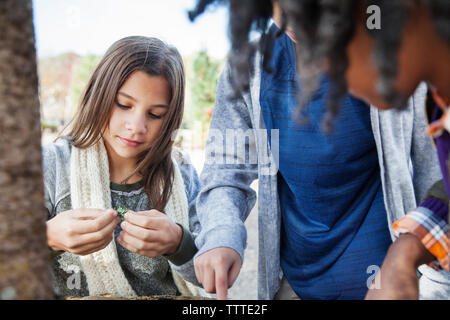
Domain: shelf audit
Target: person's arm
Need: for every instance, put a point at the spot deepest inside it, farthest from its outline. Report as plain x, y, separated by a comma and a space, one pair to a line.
431, 216
429, 223
423, 238
397, 278
48, 173
48, 203
183, 262
226, 198
422, 235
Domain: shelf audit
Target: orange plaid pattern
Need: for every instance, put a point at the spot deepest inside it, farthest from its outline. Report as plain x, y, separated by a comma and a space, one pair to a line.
431, 230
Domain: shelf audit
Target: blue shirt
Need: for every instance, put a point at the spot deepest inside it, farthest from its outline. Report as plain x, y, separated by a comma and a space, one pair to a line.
334, 226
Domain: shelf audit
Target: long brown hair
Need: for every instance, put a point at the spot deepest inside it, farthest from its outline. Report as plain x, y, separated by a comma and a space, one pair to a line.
124, 57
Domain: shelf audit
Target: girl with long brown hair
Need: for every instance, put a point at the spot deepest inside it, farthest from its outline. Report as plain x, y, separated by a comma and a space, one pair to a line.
118, 155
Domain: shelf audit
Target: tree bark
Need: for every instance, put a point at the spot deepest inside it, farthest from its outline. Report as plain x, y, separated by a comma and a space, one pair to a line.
24, 255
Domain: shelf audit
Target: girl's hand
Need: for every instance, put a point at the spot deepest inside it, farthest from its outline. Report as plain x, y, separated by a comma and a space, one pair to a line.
150, 233
81, 231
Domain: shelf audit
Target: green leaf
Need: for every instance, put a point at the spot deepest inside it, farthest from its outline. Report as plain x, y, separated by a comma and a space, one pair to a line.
121, 212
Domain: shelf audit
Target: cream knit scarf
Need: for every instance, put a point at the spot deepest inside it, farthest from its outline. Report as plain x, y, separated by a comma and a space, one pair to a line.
90, 188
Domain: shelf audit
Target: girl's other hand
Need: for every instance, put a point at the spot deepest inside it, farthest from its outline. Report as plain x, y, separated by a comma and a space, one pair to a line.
150, 233
81, 231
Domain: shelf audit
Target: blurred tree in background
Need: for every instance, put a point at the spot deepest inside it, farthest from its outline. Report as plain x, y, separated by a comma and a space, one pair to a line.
82, 72
205, 72
55, 82
202, 77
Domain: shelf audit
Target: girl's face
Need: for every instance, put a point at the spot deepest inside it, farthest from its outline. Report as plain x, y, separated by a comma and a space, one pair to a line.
137, 116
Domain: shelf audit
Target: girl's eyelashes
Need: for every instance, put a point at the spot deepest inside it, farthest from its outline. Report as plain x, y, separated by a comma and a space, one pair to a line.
154, 116
150, 114
121, 106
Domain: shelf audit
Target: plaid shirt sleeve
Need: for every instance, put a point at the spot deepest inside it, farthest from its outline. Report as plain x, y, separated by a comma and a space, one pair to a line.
428, 222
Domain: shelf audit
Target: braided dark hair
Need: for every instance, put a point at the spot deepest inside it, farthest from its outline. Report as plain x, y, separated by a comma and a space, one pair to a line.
245, 16
324, 29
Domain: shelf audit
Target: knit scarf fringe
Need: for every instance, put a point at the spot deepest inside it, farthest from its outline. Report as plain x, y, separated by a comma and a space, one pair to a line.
90, 188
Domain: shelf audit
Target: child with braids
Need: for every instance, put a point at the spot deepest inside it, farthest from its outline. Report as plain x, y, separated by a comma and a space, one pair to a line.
422, 45
385, 67
325, 212
118, 154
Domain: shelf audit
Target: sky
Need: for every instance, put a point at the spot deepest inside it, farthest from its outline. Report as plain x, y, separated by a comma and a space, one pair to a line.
91, 26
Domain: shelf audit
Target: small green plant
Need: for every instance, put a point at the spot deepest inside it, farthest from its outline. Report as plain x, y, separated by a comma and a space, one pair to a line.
121, 212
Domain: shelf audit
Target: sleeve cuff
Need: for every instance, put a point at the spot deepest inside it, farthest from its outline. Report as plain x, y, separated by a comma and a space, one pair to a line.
432, 231
436, 205
185, 251
223, 237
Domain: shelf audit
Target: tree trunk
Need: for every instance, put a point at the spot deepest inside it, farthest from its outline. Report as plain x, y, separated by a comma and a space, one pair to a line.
24, 255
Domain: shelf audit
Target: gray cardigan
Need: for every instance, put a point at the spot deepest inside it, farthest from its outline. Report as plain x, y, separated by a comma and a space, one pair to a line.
147, 276
408, 164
